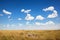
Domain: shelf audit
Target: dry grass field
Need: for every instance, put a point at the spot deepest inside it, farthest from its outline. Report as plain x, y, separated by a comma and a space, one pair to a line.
29, 35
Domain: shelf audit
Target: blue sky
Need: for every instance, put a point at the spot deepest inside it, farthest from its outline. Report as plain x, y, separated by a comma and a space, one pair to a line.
29, 13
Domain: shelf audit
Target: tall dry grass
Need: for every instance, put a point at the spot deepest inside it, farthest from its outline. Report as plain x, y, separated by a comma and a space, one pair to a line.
29, 35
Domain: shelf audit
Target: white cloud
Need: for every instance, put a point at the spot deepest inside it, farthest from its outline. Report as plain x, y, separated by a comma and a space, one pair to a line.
29, 17
25, 11
37, 23
50, 23
29, 27
22, 10
39, 17
6, 12
51, 8
1, 14
47, 23
54, 14
19, 19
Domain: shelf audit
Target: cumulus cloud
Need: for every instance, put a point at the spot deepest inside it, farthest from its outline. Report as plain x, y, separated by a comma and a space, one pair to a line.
37, 23
19, 18
29, 17
51, 8
22, 10
39, 17
1, 14
47, 23
54, 14
6, 12
25, 11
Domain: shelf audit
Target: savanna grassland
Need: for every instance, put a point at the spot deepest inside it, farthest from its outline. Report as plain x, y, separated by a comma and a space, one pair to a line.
29, 34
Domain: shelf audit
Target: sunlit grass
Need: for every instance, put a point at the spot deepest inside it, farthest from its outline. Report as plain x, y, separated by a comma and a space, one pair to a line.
29, 35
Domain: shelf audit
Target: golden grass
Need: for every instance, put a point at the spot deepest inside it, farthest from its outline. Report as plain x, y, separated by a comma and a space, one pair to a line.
29, 34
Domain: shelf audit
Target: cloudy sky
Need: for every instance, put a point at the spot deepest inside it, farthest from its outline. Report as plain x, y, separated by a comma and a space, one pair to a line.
29, 15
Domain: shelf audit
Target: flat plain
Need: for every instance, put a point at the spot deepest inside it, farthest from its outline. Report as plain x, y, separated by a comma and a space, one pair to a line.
29, 34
